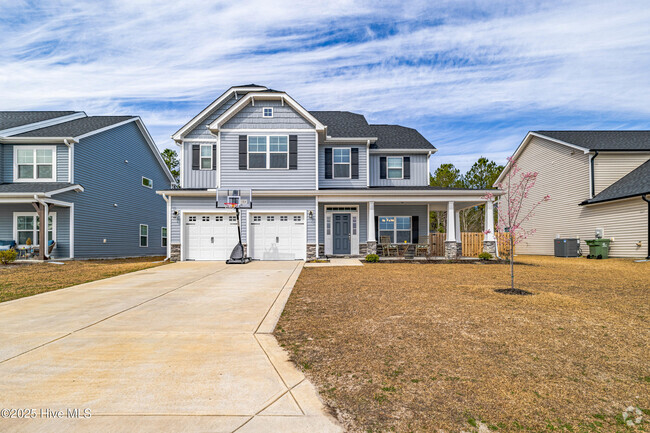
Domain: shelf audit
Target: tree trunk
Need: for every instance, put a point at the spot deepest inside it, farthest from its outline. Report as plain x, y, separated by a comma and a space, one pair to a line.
512, 262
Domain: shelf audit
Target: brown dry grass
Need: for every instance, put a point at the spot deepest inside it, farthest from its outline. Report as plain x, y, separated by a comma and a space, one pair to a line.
421, 347
20, 280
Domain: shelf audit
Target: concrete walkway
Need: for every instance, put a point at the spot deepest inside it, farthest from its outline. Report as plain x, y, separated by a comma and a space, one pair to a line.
183, 347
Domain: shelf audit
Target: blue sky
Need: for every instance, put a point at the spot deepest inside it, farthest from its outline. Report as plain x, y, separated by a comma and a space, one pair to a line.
472, 76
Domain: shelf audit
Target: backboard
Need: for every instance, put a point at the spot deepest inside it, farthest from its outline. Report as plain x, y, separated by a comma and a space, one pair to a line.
229, 198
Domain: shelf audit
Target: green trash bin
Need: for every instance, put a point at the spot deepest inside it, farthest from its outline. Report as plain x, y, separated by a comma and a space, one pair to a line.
598, 248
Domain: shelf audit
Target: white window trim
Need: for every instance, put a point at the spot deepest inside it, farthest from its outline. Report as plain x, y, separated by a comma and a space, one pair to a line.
349, 149
401, 168
395, 229
268, 152
201, 157
140, 235
33, 149
150, 181
165, 236
264, 111
34, 240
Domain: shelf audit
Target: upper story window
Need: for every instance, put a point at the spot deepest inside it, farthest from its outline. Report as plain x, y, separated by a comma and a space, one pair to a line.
395, 166
341, 161
34, 163
147, 182
206, 157
268, 151
267, 112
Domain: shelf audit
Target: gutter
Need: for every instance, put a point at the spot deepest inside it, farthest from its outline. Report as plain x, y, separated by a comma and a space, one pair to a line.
645, 199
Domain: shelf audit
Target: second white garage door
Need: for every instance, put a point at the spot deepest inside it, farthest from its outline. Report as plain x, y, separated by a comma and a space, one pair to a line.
277, 236
210, 236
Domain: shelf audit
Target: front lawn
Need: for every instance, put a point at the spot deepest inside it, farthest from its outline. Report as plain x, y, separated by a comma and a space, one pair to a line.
422, 347
22, 279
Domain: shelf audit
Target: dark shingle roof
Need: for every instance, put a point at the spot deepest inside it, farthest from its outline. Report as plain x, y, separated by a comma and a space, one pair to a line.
603, 140
12, 119
76, 127
35, 187
346, 124
633, 184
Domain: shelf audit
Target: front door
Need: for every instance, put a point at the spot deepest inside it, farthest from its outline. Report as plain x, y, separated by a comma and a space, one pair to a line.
341, 233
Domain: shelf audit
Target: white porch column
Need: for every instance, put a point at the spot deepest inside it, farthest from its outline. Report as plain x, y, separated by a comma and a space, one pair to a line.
371, 222
489, 220
457, 225
451, 222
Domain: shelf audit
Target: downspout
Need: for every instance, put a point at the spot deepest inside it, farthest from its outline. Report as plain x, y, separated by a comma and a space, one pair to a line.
645, 198
593, 174
45, 225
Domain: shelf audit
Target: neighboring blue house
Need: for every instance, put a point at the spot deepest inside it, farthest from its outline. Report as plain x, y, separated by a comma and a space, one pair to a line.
323, 183
95, 177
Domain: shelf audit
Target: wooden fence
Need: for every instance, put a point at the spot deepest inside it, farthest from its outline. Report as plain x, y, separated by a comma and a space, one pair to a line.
472, 244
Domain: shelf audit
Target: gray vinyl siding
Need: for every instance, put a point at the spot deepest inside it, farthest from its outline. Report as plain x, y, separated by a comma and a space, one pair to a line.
62, 171
197, 178
363, 220
362, 182
302, 178
284, 117
108, 181
419, 171
201, 130
62, 237
7, 161
207, 204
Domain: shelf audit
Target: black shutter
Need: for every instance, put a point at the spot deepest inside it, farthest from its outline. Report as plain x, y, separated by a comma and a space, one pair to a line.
214, 156
407, 167
293, 152
382, 167
196, 157
376, 228
328, 163
243, 152
415, 229
355, 163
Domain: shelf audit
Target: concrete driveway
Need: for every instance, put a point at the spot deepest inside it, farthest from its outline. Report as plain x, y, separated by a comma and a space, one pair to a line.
182, 347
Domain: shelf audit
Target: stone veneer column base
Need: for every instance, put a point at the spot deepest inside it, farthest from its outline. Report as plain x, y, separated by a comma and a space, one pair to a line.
372, 247
363, 249
451, 250
490, 247
321, 250
175, 252
311, 251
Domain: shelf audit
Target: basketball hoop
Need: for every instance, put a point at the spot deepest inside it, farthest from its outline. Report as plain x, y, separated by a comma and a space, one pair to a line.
231, 205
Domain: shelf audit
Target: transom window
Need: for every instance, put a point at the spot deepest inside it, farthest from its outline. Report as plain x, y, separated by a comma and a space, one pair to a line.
144, 235
147, 182
34, 163
397, 229
267, 112
268, 151
28, 227
395, 166
206, 157
341, 162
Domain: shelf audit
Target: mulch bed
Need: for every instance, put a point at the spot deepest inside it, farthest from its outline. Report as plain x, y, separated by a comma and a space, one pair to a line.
398, 347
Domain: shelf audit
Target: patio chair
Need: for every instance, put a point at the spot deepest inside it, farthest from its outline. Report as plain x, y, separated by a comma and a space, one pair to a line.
50, 246
7, 245
422, 246
387, 248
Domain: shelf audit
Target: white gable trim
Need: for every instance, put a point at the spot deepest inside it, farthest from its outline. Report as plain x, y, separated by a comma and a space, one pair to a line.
525, 142
180, 134
250, 97
42, 124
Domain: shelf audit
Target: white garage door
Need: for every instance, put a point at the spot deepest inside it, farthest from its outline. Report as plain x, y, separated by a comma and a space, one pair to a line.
210, 236
277, 236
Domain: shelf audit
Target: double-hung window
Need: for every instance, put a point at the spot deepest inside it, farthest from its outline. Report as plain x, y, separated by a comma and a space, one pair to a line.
34, 163
206, 157
144, 235
396, 229
395, 167
28, 227
268, 151
163, 236
341, 162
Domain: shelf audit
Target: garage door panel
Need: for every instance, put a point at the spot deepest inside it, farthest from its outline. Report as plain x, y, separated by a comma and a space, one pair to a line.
210, 236
277, 236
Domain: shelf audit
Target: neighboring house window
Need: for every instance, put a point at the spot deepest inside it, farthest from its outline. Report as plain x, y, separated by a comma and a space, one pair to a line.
34, 163
163, 236
147, 182
398, 229
144, 235
341, 163
395, 165
206, 157
267, 112
28, 227
268, 151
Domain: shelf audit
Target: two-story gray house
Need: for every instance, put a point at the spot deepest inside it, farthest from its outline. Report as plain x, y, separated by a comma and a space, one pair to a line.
93, 178
324, 183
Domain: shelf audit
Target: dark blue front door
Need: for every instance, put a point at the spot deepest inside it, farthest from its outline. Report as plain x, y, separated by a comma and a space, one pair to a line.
341, 233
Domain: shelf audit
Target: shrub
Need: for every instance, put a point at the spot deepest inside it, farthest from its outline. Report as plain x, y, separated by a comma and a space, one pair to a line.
485, 256
8, 256
372, 258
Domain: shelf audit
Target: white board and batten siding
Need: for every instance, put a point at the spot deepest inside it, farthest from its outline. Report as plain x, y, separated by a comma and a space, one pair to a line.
611, 166
564, 175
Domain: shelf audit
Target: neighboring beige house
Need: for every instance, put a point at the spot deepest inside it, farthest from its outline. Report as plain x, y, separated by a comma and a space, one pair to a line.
596, 180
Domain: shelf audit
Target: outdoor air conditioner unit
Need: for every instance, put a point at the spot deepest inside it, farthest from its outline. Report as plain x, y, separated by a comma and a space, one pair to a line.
567, 247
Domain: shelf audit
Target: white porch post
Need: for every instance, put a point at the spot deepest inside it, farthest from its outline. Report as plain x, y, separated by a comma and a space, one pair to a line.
371, 222
457, 226
489, 220
451, 222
